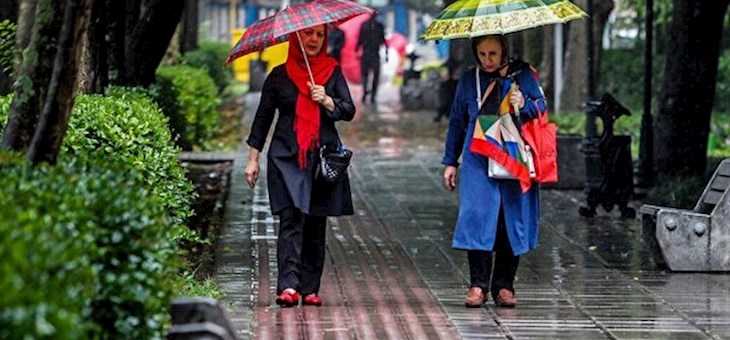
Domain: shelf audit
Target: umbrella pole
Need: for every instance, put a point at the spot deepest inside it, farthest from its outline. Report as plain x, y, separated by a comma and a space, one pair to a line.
306, 60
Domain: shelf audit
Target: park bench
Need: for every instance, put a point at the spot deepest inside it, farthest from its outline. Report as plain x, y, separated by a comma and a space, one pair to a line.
697, 239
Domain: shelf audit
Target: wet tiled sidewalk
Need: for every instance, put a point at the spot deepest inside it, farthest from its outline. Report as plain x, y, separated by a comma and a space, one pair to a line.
390, 271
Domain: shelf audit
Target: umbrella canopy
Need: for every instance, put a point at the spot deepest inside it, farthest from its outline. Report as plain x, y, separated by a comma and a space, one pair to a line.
275, 29
473, 18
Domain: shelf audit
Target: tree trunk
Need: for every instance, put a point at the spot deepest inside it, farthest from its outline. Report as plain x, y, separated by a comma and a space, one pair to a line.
547, 65
515, 43
59, 101
601, 12
149, 41
532, 45
26, 20
40, 22
685, 100
576, 88
189, 33
94, 59
116, 28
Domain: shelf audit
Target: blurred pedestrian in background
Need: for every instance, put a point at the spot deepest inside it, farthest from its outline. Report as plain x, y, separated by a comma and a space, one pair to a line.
335, 42
371, 37
447, 88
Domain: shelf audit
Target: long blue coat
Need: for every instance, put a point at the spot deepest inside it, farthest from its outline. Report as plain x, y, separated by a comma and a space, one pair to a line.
480, 197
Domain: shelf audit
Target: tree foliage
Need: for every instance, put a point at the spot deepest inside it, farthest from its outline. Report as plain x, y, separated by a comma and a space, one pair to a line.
7, 45
128, 40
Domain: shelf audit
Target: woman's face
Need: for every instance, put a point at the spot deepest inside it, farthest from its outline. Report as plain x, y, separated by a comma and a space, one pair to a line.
312, 39
489, 52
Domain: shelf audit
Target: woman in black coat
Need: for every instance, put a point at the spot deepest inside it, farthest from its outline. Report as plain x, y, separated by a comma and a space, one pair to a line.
306, 120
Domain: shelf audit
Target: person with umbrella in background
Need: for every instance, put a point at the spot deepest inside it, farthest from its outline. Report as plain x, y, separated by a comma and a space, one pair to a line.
336, 41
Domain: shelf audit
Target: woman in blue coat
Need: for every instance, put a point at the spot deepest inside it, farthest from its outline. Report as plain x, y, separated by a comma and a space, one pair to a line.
497, 221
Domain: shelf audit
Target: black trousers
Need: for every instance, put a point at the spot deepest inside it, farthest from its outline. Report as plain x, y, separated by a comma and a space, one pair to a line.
367, 65
300, 251
505, 263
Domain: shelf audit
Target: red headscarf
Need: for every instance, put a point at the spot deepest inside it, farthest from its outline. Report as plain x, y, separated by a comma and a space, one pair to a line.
306, 116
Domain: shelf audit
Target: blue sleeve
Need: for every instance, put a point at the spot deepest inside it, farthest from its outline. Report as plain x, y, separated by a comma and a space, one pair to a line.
535, 103
458, 120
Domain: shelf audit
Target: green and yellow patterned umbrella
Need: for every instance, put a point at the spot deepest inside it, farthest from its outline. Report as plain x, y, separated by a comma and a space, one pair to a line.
473, 18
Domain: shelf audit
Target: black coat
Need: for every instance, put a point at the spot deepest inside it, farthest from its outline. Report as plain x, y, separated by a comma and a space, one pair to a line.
288, 185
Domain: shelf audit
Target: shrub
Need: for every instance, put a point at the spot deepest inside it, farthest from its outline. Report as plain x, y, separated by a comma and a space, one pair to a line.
4, 109
7, 45
188, 97
127, 128
86, 253
210, 56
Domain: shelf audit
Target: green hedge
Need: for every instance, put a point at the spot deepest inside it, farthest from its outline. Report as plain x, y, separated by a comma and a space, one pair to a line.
126, 222
188, 96
622, 74
127, 128
86, 253
210, 56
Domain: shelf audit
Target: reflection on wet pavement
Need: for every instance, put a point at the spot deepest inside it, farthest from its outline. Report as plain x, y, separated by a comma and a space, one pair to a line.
588, 279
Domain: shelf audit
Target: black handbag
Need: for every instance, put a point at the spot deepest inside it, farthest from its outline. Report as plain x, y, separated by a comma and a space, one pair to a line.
333, 163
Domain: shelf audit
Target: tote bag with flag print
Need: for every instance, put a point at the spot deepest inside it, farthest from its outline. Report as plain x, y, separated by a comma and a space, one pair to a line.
498, 138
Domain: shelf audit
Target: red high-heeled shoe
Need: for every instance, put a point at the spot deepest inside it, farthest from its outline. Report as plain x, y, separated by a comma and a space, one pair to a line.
288, 298
312, 300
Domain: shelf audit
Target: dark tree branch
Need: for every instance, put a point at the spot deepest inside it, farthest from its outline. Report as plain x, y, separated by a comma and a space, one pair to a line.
97, 68
189, 36
149, 40
38, 30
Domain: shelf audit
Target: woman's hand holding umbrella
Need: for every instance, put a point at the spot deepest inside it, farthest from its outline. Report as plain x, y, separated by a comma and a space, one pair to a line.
320, 96
516, 98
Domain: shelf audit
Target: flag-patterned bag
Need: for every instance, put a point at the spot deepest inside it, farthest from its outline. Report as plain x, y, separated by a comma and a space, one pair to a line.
498, 138
512, 143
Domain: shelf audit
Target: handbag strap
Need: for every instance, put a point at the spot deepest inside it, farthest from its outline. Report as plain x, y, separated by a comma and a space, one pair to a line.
479, 90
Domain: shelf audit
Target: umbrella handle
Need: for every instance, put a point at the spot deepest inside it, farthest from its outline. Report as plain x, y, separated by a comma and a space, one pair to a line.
514, 87
306, 60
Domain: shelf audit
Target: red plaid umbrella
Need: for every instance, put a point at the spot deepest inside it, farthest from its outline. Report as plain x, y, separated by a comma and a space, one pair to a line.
275, 29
